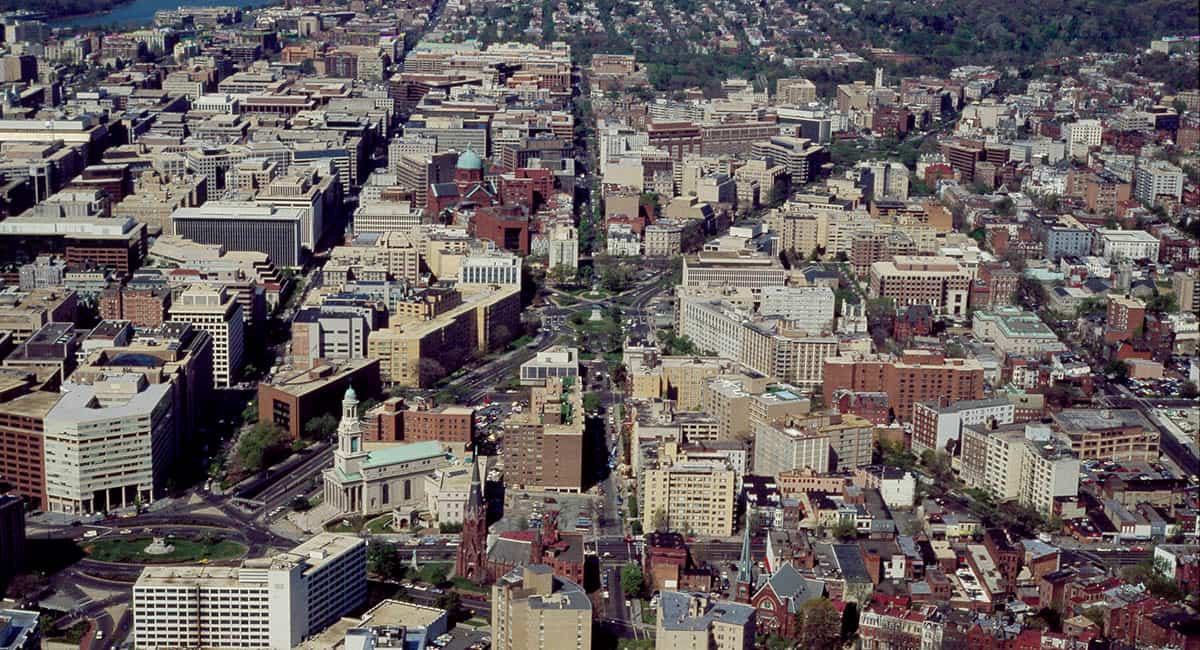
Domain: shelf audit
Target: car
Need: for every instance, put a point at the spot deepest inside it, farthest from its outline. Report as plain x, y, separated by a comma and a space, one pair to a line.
604, 594
88, 534
607, 554
126, 531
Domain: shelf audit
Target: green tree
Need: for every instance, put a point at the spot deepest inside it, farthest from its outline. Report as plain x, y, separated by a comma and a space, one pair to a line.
321, 427
591, 402
1118, 369
631, 580
256, 445
659, 520
383, 560
818, 625
844, 530
562, 274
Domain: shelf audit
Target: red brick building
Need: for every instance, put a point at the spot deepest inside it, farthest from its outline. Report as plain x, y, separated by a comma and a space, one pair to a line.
915, 376
396, 421
144, 307
22, 460
506, 226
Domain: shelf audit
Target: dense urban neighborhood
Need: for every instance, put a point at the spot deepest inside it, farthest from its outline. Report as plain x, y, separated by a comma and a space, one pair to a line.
634, 324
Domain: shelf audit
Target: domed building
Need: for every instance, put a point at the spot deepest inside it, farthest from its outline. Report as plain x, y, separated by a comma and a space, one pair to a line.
469, 188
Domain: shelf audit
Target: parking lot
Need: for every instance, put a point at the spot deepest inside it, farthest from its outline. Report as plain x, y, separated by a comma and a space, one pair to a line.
530, 507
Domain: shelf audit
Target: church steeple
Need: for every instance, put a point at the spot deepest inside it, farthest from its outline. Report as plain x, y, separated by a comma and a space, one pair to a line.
471, 561
349, 455
744, 583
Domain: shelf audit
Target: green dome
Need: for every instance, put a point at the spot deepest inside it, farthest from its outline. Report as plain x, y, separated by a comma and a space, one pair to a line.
350, 395
469, 160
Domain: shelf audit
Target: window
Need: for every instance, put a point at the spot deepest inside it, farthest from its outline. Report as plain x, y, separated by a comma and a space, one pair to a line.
407, 489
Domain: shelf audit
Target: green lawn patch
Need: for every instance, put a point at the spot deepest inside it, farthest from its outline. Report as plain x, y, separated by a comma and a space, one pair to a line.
133, 550
72, 635
380, 525
521, 342
649, 616
466, 585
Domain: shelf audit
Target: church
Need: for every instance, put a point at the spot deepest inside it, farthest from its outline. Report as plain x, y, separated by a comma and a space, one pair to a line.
390, 478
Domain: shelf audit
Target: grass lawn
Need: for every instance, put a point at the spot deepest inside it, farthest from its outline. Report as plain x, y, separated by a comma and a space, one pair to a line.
347, 525
379, 525
649, 616
635, 644
521, 342
466, 585
132, 550
72, 635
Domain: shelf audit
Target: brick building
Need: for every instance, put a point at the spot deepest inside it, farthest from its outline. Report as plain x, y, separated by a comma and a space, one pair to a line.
914, 376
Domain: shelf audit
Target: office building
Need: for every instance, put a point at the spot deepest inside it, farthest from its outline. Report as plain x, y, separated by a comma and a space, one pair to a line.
808, 309
109, 444
1183, 286
87, 240
687, 621
275, 602
12, 542
1081, 136
295, 397
215, 311
730, 269
914, 376
544, 446
490, 266
563, 242
556, 361
20, 630
1118, 245
914, 280
533, 609
1117, 435
803, 158
276, 231
394, 420
1014, 331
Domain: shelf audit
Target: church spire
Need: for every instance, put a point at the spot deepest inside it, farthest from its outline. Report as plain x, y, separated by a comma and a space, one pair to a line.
475, 495
745, 576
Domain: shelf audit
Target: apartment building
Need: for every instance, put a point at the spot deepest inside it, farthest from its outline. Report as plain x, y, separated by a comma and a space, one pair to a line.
1027, 462
274, 603
802, 157
938, 423
687, 621
915, 280
215, 311
544, 446
695, 496
533, 609
914, 376
1158, 178
108, 445
795, 442
1118, 435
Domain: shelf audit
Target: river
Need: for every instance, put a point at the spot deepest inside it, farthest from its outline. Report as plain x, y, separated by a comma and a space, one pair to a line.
140, 13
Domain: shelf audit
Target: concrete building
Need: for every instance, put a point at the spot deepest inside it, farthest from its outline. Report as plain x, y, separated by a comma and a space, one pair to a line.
273, 603
19, 630
276, 231
490, 267
795, 443
215, 311
1081, 136
1127, 245
532, 609
108, 445
936, 424
1158, 178
12, 542
1118, 435
912, 280
387, 478
802, 157
1026, 462
563, 242
688, 621
1015, 331
808, 309
692, 496
544, 446
557, 361
740, 269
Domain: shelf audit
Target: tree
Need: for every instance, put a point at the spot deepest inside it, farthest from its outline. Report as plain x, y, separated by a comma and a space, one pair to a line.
321, 427
450, 601
631, 580
257, 444
844, 530
818, 625
1187, 390
591, 402
562, 274
384, 561
660, 521
1119, 370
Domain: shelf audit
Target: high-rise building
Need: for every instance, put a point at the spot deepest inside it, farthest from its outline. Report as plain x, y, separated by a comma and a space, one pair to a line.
915, 280
276, 231
1183, 286
696, 495
796, 442
938, 423
914, 376
108, 444
1026, 462
533, 609
544, 446
215, 311
12, 540
1158, 178
803, 158
274, 602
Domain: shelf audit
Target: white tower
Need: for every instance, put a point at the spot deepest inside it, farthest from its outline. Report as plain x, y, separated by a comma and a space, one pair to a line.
349, 455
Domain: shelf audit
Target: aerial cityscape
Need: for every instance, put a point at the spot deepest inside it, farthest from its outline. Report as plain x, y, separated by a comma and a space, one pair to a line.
626, 324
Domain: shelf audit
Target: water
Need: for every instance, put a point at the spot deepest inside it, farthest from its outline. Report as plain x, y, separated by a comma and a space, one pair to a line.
139, 13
